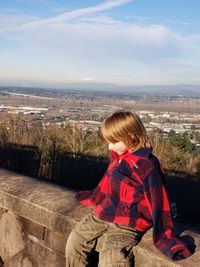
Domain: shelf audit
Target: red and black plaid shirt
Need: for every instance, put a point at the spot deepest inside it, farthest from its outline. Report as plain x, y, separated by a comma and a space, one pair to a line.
132, 193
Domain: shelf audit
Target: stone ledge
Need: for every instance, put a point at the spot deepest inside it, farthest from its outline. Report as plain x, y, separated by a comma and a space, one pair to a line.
47, 213
47, 204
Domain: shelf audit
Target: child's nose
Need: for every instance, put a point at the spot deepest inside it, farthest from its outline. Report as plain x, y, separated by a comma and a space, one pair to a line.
110, 146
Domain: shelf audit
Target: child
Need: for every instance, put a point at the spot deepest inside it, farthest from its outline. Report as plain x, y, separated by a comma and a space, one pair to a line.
129, 199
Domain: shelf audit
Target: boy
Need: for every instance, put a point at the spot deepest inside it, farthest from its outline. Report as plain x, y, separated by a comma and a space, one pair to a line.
129, 199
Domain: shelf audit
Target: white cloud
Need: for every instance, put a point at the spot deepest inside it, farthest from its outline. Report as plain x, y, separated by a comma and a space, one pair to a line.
99, 37
70, 15
87, 44
89, 35
87, 79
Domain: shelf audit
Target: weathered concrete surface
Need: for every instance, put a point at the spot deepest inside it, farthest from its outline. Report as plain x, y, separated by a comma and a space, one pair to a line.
11, 236
49, 205
20, 260
47, 237
44, 214
44, 256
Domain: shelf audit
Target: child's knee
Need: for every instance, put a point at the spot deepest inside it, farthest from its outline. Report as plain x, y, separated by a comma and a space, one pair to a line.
74, 243
73, 251
78, 250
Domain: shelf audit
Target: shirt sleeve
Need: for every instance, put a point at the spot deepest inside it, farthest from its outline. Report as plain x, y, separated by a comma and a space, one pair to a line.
95, 196
158, 204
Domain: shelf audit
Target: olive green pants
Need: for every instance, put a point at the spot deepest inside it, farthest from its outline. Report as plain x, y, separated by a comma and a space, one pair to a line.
114, 243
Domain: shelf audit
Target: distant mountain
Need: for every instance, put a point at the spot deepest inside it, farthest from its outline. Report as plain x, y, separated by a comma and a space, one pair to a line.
181, 89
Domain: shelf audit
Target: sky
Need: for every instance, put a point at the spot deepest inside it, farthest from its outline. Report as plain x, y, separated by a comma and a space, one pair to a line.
122, 42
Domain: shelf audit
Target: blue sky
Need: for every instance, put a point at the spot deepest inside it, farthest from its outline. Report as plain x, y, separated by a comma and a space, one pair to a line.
124, 42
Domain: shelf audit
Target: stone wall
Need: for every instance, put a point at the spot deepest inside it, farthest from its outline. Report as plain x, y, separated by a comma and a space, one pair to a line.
36, 218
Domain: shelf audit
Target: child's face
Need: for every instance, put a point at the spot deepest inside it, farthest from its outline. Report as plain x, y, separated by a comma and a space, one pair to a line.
118, 147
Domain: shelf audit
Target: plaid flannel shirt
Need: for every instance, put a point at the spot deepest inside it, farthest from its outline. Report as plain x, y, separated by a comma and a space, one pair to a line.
132, 192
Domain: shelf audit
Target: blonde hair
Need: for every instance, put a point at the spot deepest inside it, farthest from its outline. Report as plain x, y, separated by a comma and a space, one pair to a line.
127, 127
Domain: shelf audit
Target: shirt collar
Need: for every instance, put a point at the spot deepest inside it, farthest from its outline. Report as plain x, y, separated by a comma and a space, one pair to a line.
143, 152
118, 157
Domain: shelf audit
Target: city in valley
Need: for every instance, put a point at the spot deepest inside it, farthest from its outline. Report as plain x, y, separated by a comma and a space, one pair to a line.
159, 111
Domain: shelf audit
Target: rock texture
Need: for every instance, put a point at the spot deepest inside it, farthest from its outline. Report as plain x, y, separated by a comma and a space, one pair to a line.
11, 236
